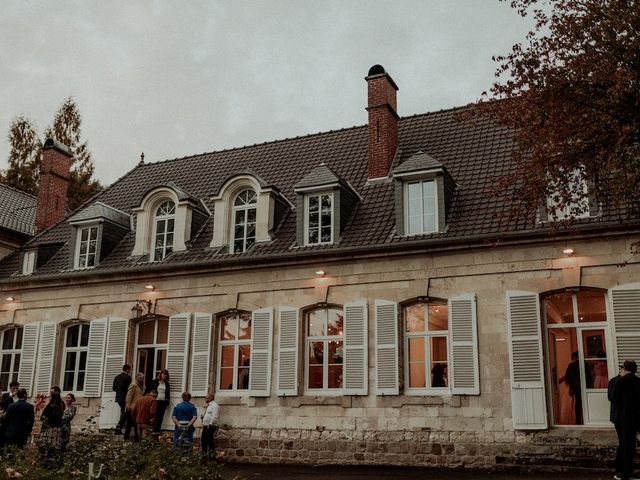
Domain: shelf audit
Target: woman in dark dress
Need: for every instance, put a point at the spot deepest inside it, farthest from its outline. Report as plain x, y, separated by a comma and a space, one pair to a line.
161, 384
50, 438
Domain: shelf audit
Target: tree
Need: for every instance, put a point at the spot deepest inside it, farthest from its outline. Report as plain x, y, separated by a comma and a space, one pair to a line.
572, 96
66, 128
24, 156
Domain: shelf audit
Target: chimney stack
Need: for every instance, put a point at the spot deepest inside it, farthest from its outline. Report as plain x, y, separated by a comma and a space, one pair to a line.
383, 121
54, 184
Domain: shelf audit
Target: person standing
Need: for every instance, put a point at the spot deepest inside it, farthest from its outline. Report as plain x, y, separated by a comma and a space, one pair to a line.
624, 395
184, 416
161, 384
67, 417
11, 396
572, 379
121, 383
134, 393
18, 421
144, 413
209, 426
50, 437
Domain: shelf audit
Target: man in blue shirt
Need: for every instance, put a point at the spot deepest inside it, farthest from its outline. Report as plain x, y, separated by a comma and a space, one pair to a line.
184, 416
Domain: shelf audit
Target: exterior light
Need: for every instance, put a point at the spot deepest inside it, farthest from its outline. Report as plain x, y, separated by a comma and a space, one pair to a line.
10, 299
320, 273
568, 251
150, 287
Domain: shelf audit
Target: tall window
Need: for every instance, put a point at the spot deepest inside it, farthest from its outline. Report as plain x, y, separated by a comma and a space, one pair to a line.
577, 352
319, 219
163, 230
76, 346
86, 247
244, 220
421, 207
324, 341
151, 348
11, 352
234, 352
426, 334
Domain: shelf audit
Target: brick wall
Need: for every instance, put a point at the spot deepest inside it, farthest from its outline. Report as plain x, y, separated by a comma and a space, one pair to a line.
54, 184
383, 124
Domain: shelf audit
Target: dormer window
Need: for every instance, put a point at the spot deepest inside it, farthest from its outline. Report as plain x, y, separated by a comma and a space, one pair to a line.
568, 198
164, 225
244, 220
29, 262
319, 219
421, 207
87, 247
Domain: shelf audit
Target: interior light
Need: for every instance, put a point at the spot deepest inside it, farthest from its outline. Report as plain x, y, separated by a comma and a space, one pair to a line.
568, 251
150, 287
320, 273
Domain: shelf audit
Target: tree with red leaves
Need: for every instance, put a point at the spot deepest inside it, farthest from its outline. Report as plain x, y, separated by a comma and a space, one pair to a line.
572, 96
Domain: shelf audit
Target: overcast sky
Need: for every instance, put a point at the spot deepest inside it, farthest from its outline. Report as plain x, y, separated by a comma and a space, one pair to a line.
174, 78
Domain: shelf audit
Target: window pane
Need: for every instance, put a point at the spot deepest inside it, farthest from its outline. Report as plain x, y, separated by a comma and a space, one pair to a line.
559, 308
6, 363
244, 361
83, 361
438, 317
335, 376
251, 230
315, 322
416, 362
160, 227
94, 234
163, 331
313, 220
18, 341
313, 204
335, 353
430, 223
439, 362
313, 236
4, 381
84, 339
326, 203
326, 235
591, 306
16, 366
161, 359
238, 246
145, 333
595, 358
415, 317
7, 339
315, 377
80, 386
316, 352
67, 383
228, 328
72, 336
227, 356
239, 218
84, 235
226, 378
245, 327
70, 363
251, 215
415, 224
335, 322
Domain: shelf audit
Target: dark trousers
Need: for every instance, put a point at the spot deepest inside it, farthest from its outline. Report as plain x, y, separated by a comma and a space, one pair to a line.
626, 448
208, 440
130, 424
122, 412
162, 406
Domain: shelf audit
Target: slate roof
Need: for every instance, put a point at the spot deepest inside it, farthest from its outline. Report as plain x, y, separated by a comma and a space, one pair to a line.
17, 210
320, 175
100, 210
474, 154
419, 161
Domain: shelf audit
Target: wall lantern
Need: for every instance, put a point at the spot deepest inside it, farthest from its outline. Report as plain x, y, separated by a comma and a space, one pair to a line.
10, 299
142, 306
320, 273
150, 287
569, 252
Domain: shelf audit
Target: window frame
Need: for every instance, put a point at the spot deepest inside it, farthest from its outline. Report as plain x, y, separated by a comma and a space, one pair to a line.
325, 390
245, 209
427, 335
307, 197
154, 230
13, 371
78, 349
405, 191
78, 247
236, 343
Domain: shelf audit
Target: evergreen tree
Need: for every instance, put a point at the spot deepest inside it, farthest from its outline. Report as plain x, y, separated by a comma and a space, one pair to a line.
66, 128
24, 156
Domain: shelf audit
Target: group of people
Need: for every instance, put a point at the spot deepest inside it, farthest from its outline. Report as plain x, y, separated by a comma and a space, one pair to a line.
142, 410
17, 418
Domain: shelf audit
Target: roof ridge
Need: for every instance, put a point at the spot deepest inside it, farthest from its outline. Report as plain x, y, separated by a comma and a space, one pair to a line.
17, 190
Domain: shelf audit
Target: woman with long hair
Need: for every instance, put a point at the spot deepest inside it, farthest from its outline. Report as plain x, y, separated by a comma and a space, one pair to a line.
50, 438
67, 417
161, 384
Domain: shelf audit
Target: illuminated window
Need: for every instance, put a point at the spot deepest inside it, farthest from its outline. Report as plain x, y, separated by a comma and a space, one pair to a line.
324, 343
234, 352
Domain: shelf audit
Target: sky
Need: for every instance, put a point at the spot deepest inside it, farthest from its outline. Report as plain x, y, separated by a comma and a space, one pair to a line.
172, 78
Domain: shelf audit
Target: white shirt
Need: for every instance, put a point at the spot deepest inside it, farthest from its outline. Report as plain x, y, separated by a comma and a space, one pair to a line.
211, 414
162, 391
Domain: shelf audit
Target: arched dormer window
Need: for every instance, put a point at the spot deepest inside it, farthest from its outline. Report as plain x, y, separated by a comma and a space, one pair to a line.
244, 220
163, 230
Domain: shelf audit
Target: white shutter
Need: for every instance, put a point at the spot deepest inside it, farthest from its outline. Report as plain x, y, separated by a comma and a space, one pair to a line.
356, 371
30, 337
95, 358
529, 406
116, 350
177, 352
201, 354
46, 347
115, 354
625, 302
262, 339
288, 351
463, 327
387, 375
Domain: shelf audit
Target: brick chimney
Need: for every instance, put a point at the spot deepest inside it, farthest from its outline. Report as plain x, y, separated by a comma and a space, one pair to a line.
54, 184
383, 121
